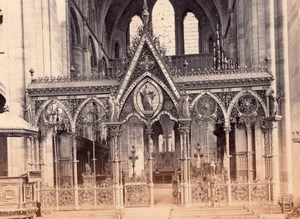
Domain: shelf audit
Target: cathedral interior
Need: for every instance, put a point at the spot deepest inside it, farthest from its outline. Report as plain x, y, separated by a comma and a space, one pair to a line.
105, 103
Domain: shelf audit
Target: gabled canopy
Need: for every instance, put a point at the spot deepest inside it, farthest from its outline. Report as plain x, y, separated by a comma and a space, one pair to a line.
14, 126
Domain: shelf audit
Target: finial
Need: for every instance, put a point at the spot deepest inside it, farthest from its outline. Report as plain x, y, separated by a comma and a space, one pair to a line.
31, 71
145, 14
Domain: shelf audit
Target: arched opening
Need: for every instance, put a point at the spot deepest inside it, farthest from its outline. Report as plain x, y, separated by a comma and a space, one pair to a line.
117, 50
164, 24
191, 34
210, 45
134, 26
92, 137
75, 30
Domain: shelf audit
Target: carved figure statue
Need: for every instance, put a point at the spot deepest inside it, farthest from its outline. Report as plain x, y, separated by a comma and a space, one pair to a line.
184, 107
103, 131
28, 108
273, 100
147, 97
88, 169
113, 109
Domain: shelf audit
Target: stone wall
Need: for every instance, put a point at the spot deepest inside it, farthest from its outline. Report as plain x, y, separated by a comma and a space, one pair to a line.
294, 67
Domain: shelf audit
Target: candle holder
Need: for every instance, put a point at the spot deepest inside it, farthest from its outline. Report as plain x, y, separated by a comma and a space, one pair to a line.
133, 159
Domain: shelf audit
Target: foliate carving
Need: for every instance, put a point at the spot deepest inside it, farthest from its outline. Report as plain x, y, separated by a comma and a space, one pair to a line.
54, 116
136, 195
72, 104
206, 107
247, 105
146, 62
226, 97
128, 108
168, 105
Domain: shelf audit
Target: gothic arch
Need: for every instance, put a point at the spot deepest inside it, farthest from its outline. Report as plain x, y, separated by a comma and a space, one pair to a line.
219, 102
144, 76
75, 28
241, 93
134, 114
83, 104
161, 114
59, 103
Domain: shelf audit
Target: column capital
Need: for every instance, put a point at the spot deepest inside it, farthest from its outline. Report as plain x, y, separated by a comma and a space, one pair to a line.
114, 128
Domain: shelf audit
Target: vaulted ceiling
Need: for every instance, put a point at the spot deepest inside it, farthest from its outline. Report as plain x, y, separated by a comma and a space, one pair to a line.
118, 13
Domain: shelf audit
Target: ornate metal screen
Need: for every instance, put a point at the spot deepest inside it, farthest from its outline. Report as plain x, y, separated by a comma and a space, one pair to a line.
136, 192
208, 192
97, 196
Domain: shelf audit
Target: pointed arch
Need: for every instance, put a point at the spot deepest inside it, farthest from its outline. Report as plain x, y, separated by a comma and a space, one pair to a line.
157, 118
84, 103
219, 102
146, 39
60, 104
134, 114
75, 28
243, 92
163, 18
134, 25
191, 34
139, 80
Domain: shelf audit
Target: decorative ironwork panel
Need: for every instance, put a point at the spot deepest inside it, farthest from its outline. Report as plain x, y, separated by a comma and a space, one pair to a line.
66, 197
222, 192
86, 196
104, 196
200, 192
260, 192
48, 198
136, 195
240, 192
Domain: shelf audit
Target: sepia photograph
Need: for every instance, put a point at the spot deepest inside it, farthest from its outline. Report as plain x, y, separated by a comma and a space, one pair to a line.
149, 109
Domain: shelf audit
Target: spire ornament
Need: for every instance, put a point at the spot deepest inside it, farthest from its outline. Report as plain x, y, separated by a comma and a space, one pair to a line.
145, 14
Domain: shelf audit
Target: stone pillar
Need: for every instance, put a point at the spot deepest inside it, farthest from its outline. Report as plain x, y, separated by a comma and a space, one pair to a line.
75, 173
227, 162
184, 130
249, 151
179, 38
150, 148
115, 131
272, 154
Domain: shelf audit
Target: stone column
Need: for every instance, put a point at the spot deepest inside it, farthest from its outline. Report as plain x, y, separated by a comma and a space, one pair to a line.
115, 131
227, 162
249, 151
75, 161
272, 154
184, 130
150, 148
179, 38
